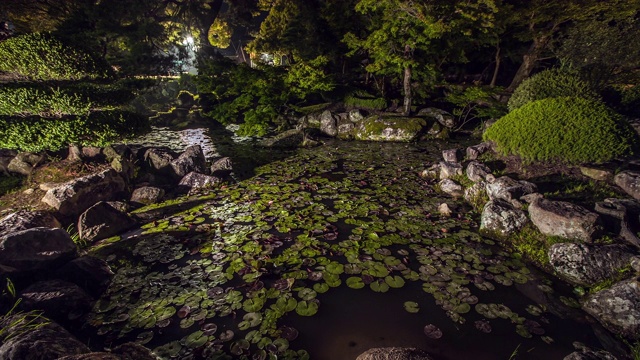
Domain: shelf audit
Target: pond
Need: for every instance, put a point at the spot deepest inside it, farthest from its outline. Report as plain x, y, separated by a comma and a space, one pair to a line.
324, 253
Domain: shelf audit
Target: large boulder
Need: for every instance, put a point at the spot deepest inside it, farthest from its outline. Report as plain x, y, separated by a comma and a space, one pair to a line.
500, 219
476, 194
159, 159
508, 189
59, 300
629, 181
192, 159
389, 128
24, 163
564, 219
147, 195
36, 249
394, 353
76, 196
43, 340
102, 221
288, 139
617, 308
587, 265
442, 117
93, 275
24, 219
196, 180
345, 129
329, 124
477, 171
449, 170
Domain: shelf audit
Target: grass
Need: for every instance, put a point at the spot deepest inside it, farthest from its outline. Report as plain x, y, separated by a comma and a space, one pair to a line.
534, 246
605, 284
9, 183
574, 190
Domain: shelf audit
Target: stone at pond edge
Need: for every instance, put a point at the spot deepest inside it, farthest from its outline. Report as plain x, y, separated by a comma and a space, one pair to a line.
477, 171
389, 128
597, 173
57, 298
629, 181
500, 219
36, 249
394, 353
510, 190
473, 152
127, 351
449, 170
288, 139
159, 159
147, 195
587, 265
50, 341
196, 180
102, 221
564, 219
442, 117
191, 160
617, 308
452, 155
329, 124
93, 275
24, 219
222, 164
24, 163
76, 196
451, 187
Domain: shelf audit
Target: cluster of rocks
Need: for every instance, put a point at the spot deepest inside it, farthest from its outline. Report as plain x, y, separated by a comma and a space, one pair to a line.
508, 205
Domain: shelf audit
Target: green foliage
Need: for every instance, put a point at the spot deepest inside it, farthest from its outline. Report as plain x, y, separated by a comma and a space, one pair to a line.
95, 129
304, 78
43, 101
533, 245
625, 99
569, 129
44, 57
362, 100
620, 275
9, 183
551, 83
475, 103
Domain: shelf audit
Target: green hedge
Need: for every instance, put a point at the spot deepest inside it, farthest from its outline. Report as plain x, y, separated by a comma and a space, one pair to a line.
97, 129
41, 56
568, 129
551, 83
366, 103
28, 100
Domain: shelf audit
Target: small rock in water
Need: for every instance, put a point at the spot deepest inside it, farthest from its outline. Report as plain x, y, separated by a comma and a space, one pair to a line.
444, 210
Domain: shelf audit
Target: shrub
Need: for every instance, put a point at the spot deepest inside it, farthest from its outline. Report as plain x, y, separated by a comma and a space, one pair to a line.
41, 56
365, 101
567, 129
96, 129
551, 83
625, 99
27, 100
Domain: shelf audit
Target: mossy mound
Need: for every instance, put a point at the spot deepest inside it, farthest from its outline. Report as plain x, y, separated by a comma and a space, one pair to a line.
551, 83
569, 129
389, 128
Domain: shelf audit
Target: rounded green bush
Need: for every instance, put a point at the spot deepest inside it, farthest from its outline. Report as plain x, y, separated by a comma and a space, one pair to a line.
41, 56
567, 129
551, 83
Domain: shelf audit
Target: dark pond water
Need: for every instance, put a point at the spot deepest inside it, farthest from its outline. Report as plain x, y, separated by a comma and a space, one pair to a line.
324, 253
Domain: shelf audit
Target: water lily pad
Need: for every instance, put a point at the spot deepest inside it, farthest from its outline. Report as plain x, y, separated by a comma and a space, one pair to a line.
168, 350
335, 268
226, 335
144, 337
306, 308
379, 286
462, 308
394, 281
281, 344
411, 306
253, 305
186, 323
209, 329
321, 288
196, 339
165, 313
287, 332
355, 282
432, 331
522, 331
307, 294
483, 326
239, 347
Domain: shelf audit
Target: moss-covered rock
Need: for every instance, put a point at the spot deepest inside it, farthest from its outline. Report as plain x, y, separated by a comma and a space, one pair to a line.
389, 128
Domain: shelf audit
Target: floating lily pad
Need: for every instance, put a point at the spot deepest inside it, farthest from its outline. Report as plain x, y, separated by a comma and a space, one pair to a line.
483, 326
307, 294
432, 331
209, 329
287, 332
355, 282
394, 281
239, 347
196, 339
321, 288
168, 350
281, 344
253, 305
411, 306
306, 308
226, 335
335, 268
144, 337
379, 286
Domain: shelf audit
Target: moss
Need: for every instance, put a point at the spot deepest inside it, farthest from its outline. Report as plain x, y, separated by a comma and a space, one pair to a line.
619, 276
312, 109
389, 128
365, 103
565, 130
534, 246
9, 183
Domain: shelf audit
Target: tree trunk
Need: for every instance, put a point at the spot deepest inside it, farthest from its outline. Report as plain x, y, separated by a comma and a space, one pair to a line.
497, 68
529, 61
406, 107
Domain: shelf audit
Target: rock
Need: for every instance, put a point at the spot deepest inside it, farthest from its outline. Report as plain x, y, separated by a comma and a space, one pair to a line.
159, 159
36, 249
196, 180
452, 155
477, 171
394, 353
444, 210
584, 353
617, 308
147, 195
433, 172
222, 164
74, 153
442, 117
29, 191
629, 181
355, 116
113, 151
92, 153
328, 124
449, 170
24, 219
500, 219
345, 129
587, 265
451, 187
505, 188
473, 152
102, 221
24, 163
48, 186
563, 219
76, 196
93, 275
389, 128
191, 160
476, 194
597, 173
127, 351
59, 300
621, 216
48, 341
5, 158
288, 139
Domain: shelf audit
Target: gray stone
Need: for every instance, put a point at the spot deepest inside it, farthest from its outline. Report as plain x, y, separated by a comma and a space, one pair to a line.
24, 219
159, 159
47, 341
147, 195
452, 155
433, 172
476, 193
329, 124
355, 116
451, 187
36, 249
563, 219
449, 170
590, 354
442, 117
288, 139
74, 153
102, 221
500, 219
389, 128
58, 299
5, 158
444, 210
620, 216
508, 189
629, 181
24, 163
394, 353
222, 164
195, 180
587, 265
477, 171
120, 206
76, 196
597, 173
345, 129
92, 153
618, 308
93, 275
473, 152
191, 160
